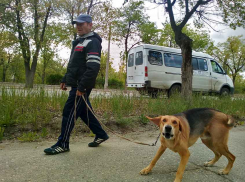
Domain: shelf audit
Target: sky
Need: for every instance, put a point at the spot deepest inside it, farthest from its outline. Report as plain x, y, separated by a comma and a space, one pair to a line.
158, 16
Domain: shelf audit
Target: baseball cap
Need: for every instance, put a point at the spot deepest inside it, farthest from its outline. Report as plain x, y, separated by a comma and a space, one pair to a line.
82, 18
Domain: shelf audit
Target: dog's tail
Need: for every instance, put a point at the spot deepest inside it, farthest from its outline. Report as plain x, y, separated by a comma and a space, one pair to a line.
231, 121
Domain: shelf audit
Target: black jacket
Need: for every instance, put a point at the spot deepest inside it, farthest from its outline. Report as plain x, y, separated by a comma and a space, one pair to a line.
84, 63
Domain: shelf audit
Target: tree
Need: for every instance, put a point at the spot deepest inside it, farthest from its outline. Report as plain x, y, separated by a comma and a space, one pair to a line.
29, 19
8, 49
55, 35
232, 54
231, 11
107, 17
149, 33
72, 9
201, 39
132, 26
16, 69
102, 72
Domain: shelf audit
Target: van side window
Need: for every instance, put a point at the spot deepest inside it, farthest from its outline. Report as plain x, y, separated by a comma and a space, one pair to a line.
131, 60
155, 58
172, 60
202, 63
216, 68
194, 63
139, 58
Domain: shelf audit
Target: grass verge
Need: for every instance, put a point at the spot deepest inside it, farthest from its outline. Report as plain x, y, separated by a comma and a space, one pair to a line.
30, 115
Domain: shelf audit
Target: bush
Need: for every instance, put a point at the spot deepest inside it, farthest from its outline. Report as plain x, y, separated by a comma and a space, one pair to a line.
112, 83
100, 83
54, 79
115, 83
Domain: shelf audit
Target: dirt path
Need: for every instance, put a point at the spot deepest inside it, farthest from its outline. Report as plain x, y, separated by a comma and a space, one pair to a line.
116, 160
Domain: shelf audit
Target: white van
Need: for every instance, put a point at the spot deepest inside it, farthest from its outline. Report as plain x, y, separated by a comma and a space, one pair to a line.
154, 68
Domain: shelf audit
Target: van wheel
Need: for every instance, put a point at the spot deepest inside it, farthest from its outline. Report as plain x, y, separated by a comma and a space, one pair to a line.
175, 89
224, 92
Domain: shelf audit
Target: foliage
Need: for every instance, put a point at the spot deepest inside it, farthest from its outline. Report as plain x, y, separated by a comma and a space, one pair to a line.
8, 52
240, 85
132, 26
54, 79
233, 12
149, 33
113, 83
231, 54
1, 133
28, 21
71, 9
101, 74
201, 39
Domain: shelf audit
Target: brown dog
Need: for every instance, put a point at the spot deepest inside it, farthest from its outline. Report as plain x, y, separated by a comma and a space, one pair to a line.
180, 131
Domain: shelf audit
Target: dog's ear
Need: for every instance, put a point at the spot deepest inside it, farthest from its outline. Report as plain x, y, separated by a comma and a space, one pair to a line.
180, 126
155, 120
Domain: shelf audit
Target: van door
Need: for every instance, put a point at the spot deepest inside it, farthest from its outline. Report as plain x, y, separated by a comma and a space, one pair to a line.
130, 67
139, 68
201, 75
218, 76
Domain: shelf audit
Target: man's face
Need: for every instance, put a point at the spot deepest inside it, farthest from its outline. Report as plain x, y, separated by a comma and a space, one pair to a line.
83, 28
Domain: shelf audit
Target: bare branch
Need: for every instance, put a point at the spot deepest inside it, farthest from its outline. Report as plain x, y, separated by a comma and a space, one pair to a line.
209, 24
171, 15
186, 7
205, 2
90, 6
188, 15
173, 2
134, 45
24, 42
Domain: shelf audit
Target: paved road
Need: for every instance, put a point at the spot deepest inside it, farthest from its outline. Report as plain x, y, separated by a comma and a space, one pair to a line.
116, 160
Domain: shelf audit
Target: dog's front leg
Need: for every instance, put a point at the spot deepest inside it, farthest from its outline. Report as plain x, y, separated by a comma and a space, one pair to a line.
184, 155
154, 161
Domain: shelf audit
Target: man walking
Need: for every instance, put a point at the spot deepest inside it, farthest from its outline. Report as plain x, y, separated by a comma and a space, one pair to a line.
82, 70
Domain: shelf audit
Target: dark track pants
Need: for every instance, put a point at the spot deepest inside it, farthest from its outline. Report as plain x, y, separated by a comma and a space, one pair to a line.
82, 112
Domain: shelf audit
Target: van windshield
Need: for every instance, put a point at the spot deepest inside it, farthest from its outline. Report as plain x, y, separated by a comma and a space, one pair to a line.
216, 67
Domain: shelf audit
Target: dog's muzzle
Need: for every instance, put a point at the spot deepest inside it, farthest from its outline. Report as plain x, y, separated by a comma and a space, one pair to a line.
167, 133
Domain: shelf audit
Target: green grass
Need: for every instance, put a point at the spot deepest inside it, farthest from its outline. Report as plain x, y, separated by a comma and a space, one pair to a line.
29, 137
35, 113
1, 133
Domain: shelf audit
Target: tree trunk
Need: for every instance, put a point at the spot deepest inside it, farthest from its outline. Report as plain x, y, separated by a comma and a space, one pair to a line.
4, 74
24, 40
126, 54
234, 78
29, 78
185, 44
43, 76
108, 59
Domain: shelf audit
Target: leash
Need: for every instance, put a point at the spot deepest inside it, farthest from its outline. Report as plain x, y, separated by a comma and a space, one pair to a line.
104, 126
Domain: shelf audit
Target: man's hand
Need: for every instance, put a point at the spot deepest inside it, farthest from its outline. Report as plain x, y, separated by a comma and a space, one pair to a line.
63, 86
80, 93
